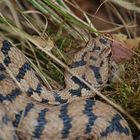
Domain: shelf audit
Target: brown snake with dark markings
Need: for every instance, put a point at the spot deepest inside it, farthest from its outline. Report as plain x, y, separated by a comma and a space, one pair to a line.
62, 114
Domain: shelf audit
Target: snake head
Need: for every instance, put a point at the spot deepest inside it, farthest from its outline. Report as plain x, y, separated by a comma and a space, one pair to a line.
105, 44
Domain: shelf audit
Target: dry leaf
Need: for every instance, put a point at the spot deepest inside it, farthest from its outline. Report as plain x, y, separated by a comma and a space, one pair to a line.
134, 43
119, 37
121, 51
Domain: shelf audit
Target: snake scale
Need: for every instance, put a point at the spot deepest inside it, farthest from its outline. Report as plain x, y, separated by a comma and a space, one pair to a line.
68, 113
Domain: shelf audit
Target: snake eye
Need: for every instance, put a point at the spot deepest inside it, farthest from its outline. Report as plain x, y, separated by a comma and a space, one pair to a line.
106, 40
103, 40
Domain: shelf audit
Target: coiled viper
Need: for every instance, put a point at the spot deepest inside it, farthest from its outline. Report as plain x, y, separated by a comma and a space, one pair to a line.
62, 114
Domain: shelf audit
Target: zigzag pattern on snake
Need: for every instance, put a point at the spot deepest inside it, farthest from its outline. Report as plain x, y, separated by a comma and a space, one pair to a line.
61, 114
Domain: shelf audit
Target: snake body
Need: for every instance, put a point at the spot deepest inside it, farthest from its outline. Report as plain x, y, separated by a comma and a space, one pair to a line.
30, 111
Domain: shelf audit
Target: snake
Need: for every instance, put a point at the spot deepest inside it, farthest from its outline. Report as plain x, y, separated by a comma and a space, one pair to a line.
30, 111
